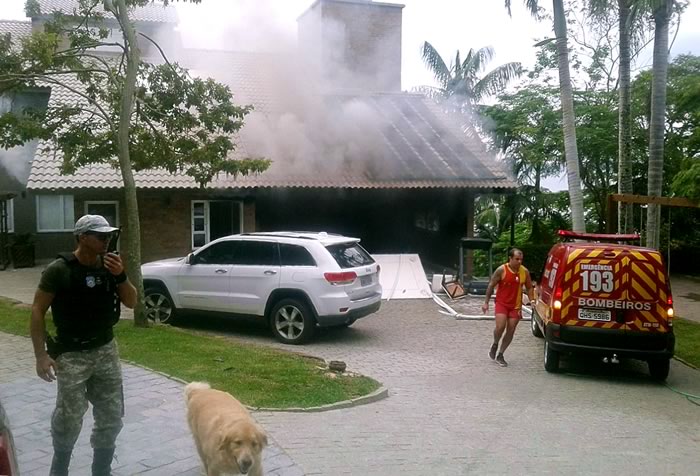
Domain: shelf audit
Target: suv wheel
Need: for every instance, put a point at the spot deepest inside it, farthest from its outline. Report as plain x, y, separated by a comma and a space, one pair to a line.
551, 358
659, 369
536, 331
159, 305
292, 322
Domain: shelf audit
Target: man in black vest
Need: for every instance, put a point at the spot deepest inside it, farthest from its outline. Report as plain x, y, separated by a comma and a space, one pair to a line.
85, 290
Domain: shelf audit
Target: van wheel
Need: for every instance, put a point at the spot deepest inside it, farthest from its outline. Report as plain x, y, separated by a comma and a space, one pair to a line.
159, 305
551, 358
292, 322
534, 327
659, 369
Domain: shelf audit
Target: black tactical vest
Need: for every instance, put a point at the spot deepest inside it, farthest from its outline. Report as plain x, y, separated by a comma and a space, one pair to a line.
89, 307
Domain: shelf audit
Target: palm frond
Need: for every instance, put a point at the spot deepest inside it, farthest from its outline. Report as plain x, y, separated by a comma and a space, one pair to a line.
600, 8
435, 64
436, 94
476, 62
531, 5
495, 81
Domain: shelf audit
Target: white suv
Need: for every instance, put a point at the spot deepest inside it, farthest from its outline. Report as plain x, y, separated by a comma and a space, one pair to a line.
294, 280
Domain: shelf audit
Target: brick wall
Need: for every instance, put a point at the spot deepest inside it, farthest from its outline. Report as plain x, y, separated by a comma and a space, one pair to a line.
165, 224
360, 43
165, 220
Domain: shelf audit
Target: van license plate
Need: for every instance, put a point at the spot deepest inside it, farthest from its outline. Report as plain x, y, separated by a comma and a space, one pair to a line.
366, 280
594, 315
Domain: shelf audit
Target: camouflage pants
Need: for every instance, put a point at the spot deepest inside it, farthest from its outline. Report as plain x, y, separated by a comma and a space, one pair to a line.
89, 376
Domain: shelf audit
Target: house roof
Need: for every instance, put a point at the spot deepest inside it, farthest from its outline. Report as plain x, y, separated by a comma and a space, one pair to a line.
18, 29
153, 12
392, 140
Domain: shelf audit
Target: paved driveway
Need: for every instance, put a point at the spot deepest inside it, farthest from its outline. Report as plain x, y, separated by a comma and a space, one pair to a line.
453, 411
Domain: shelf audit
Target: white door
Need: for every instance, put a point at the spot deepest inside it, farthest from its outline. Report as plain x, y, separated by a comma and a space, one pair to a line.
255, 274
204, 284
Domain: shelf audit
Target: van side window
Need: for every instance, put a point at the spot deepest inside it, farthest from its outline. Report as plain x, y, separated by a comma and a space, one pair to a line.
552, 275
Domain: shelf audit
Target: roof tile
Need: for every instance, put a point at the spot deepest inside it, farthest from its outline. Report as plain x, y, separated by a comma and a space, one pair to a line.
154, 12
18, 29
393, 140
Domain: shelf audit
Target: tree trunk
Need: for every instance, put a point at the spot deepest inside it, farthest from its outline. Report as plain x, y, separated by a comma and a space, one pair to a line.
662, 15
624, 171
567, 105
132, 208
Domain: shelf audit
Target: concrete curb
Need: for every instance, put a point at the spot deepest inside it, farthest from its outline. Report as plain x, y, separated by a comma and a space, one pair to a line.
379, 394
685, 362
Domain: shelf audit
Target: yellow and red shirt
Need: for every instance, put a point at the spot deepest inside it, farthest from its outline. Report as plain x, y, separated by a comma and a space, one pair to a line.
509, 292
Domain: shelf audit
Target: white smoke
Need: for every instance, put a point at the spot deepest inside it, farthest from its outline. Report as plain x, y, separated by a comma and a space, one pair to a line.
294, 123
15, 165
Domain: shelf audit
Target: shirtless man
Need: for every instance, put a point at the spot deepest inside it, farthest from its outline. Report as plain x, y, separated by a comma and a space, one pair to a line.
510, 279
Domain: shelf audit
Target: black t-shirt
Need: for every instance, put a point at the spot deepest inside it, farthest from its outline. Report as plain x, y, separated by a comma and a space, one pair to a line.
85, 299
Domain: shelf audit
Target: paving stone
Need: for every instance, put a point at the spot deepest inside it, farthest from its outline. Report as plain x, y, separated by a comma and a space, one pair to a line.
155, 439
450, 409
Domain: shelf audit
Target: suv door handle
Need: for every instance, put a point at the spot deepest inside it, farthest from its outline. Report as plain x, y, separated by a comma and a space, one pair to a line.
221, 271
270, 272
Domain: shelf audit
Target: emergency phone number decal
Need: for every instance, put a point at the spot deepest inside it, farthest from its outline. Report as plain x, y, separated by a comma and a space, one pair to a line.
597, 277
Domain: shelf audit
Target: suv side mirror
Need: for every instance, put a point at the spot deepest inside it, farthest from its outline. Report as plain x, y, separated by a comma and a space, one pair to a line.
190, 259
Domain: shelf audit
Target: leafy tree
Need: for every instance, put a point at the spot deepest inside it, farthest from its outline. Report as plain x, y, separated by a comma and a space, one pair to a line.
567, 103
524, 128
682, 126
123, 111
597, 123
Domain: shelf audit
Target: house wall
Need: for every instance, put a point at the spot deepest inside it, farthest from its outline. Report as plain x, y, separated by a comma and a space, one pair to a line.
385, 220
427, 222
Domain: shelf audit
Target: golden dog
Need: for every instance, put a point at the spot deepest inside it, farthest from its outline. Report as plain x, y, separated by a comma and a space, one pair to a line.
227, 438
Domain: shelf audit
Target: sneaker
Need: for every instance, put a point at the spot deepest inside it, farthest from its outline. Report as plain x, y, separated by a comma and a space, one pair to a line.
492, 352
501, 361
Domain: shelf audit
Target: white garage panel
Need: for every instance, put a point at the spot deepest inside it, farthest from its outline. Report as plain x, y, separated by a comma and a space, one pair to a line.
402, 277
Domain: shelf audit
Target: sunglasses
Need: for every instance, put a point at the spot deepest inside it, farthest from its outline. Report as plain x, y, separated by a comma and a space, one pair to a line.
100, 236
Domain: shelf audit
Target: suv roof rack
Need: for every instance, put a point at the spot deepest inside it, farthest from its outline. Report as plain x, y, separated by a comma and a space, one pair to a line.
302, 235
568, 235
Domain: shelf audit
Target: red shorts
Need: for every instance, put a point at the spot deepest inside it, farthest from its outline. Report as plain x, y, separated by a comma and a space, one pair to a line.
508, 311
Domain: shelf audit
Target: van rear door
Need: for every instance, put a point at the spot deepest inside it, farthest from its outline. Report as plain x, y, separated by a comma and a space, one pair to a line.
594, 278
649, 290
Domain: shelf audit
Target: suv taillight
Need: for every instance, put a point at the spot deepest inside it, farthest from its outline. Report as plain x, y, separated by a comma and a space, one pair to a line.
345, 277
7, 462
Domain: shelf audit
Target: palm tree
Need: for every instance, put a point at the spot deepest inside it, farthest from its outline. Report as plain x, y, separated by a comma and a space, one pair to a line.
460, 84
662, 14
567, 105
624, 156
628, 15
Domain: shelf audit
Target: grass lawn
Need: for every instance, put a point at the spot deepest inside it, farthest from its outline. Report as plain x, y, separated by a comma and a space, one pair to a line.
687, 341
256, 375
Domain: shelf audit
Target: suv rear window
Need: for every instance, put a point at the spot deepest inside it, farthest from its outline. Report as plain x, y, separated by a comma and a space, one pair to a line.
349, 255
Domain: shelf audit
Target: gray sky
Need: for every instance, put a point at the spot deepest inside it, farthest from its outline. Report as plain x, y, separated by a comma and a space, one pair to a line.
448, 24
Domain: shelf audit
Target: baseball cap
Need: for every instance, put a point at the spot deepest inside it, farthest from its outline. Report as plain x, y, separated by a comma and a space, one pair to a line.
93, 223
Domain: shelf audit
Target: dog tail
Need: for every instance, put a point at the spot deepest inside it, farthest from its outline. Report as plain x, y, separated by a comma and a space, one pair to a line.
191, 387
